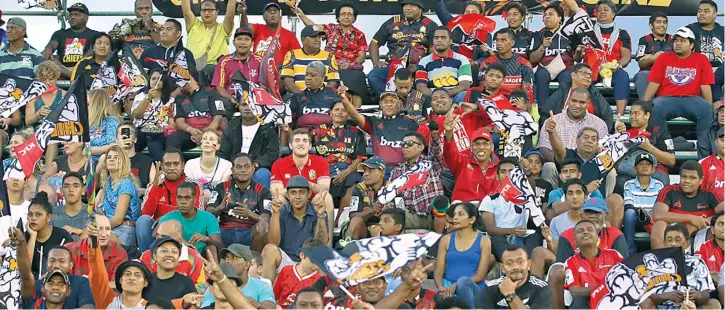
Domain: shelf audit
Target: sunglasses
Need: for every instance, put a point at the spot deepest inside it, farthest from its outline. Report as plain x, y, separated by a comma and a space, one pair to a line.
409, 143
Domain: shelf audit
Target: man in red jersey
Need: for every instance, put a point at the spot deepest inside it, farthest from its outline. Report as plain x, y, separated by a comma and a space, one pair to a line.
476, 173
491, 90
682, 81
519, 73
684, 203
586, 270
712, 250
293, 278
713, 166
264, 34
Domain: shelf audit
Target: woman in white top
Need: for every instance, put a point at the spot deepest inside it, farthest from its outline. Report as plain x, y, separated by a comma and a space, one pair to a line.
153, 114
209, 169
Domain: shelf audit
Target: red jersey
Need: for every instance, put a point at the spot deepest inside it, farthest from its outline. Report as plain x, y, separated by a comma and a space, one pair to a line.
262, 36
606, 238
190, 265
503, 103
712, 255
582, 272
162, 199
681, 77
113, 256
314, 170
713, 173
478, 183
289, 282
463, 129
703, 204
424, 301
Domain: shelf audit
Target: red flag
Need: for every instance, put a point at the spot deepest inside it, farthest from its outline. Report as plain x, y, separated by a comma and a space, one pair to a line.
594, 57
268, 66
510, 192
29, 153
395, 65
263, 97
471, 30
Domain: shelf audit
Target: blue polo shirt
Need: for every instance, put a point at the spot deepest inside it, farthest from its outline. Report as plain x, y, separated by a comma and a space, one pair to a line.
254, 289
22, 64
637, 197
80, 293
293, 232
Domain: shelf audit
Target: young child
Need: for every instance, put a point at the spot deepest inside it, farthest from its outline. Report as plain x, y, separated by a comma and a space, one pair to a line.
255, 269
640, 195
292, 278
392, 223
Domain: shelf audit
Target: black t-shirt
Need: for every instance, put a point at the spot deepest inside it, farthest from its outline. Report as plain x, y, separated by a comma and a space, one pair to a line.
141, 168
312, 107
63, 165
710, 43
58, 237
257, 197
416, 106
172, 288
541, 191
387, 136
202, 104
648, 45
560, 45
588, 168
73, 45
703, 204
535, 294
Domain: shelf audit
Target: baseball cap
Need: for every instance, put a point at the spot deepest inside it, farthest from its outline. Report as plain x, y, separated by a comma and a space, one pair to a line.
80, 7
387, 93
311, 31
238, 250
133, 263
721, 132
684, 32
158, 242
595, 204
271, 4
537, 153
645, 156
17, 21
230, 273
66, 279
298, 182
374, 162
481, 133
414, 2
243, 31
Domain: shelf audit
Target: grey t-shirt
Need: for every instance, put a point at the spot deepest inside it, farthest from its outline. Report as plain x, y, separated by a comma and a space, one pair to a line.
560, 224
79, 221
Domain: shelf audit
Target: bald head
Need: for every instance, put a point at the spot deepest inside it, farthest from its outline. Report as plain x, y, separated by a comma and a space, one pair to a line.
103, 226
171, 228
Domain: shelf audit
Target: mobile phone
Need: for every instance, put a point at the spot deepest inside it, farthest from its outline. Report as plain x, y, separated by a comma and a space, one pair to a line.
126, 132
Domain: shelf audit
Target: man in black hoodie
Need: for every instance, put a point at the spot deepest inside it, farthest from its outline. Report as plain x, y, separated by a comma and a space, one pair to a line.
706, 141
246, 134
581, 76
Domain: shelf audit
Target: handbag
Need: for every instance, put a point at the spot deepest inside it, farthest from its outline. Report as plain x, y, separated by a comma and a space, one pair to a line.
201, 61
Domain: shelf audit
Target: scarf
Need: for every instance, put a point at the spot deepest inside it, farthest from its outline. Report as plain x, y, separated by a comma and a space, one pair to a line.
612, 38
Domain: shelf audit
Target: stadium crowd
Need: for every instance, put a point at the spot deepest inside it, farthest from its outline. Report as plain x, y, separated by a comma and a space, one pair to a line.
202, 205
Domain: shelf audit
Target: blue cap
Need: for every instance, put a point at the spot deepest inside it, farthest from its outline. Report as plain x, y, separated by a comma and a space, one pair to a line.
534, 152
595, 204
271, 4
374, 162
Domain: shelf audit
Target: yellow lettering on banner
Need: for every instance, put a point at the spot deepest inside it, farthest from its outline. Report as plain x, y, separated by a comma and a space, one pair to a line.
368, 271
661, 3
68, 129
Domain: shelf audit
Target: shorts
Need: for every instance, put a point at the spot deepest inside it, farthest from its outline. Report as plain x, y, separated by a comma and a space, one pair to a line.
413, 221
285, 260
338, 190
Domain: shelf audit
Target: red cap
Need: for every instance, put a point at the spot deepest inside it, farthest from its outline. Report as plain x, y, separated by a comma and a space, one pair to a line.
481, 133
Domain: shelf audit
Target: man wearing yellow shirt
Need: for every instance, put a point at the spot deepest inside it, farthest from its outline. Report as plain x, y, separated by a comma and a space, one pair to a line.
207, 38
295, 63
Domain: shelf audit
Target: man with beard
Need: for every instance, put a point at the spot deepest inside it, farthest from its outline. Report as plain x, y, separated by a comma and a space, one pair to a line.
682, 81
519, 73
112, 250
168, 49
713, 166
414, 104
518, 289
264, 35
161, 198
408, 34
167, 283
365, 209
710, 40
138, 34
684, 203
650, 48
699, 281
59, 259
294, 67
597, 105
586, 271
246, 134
201, 228
706, 142
241, 60
444, 69
71, 44
242, 205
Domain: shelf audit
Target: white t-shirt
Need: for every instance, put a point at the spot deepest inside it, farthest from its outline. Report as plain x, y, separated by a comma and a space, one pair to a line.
221, 172
17, 213
248, 133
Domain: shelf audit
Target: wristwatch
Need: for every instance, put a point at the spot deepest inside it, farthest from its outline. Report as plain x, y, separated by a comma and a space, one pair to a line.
510, 297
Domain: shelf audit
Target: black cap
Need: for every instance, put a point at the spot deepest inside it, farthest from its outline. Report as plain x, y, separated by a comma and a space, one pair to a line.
271, 4
645, 156
132, 263
80, 7
66, 279
414, 2
311, 31
243, 31
158, 242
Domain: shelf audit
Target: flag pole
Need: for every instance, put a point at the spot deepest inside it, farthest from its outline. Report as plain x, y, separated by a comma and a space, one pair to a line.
347, 292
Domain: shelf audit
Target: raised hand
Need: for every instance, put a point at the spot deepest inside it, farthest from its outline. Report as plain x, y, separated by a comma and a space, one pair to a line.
450, 122
16, 237
618, 125
468, 107
319, 203
277, 203
212, 269
418, 274
550, 125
